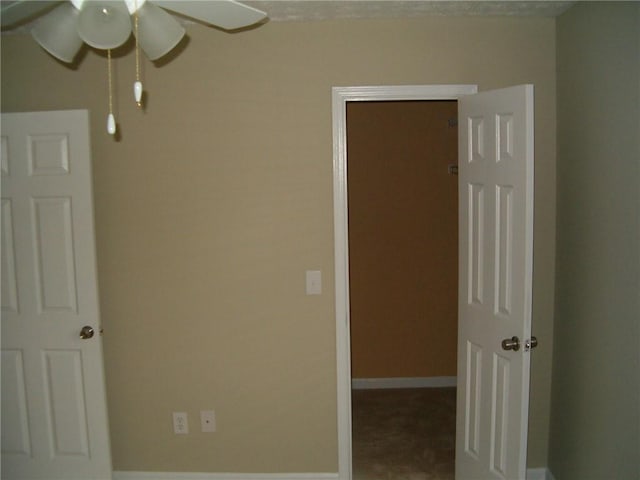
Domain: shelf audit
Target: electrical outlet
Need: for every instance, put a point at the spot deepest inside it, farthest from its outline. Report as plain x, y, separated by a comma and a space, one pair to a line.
208, 421
180, 423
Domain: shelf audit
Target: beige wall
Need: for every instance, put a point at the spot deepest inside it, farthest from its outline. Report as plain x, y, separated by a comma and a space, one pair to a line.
595, 429
403, 238
214, 202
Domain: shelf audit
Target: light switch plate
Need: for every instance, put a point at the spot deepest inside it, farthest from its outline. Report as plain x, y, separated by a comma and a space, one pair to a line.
314, 282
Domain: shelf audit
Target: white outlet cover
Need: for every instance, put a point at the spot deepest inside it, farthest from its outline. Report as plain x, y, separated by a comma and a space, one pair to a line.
208, 421
180, 423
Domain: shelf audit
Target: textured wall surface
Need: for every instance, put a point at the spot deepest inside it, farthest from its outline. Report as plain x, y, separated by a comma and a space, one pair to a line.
214, 201
595, 415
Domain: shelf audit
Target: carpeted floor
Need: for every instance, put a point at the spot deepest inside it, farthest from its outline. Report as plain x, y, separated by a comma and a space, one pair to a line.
404, 434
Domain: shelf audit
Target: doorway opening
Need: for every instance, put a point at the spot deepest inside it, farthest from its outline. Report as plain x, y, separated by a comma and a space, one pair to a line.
341, 98
403, 284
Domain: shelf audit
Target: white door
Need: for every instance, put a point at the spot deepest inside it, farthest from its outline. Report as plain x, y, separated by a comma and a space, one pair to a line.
54, 418
495, 282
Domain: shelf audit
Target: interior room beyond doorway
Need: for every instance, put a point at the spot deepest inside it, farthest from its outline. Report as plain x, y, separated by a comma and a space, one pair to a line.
403, 241
403, 273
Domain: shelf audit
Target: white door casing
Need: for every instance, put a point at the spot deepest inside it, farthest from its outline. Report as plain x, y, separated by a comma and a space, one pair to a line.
495, 282
517, 397
340, 97
54, 418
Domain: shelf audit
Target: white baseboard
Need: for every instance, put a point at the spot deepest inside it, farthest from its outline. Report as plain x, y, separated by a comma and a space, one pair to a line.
532, 474
402, 382
539, 474
221, 476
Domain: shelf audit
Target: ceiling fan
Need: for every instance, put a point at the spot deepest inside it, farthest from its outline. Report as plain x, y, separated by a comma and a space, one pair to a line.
107, 24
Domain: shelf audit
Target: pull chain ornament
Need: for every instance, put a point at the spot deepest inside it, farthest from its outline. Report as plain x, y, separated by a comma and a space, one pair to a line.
137, 92
137, 86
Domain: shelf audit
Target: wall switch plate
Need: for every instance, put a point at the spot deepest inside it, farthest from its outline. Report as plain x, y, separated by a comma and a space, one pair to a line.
180, 423
314, 282
208, 421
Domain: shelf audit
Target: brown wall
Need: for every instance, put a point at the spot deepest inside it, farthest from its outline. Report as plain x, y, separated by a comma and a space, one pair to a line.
403, 234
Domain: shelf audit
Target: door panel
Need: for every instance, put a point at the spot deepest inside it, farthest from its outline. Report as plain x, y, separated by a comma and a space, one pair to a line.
9, 286
15, 430
55, 263
64, 402
472, 399
54, 421
495, 282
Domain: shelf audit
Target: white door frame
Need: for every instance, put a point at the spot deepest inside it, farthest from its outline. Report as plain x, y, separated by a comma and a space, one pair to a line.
340, 97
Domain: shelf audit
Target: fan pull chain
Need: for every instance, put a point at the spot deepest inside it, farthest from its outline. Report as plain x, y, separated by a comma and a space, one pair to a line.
111, 121
137, 86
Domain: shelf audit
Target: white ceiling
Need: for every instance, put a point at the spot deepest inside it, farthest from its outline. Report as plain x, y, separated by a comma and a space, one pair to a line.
314, 10
308, 10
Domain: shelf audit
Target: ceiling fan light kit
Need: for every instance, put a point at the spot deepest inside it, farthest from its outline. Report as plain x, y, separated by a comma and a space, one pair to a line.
104, 25
57, 33
158, 32
107, 24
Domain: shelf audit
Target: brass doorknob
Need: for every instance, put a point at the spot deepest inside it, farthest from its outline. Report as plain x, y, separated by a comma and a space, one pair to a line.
86, 332
512, 343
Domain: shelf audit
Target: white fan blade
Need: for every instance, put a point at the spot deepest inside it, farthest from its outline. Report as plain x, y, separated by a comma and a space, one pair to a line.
14, 12
227, 14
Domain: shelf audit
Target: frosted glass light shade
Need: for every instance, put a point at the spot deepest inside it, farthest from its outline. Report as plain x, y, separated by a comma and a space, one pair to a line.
57, 33
158, 31
104, 24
